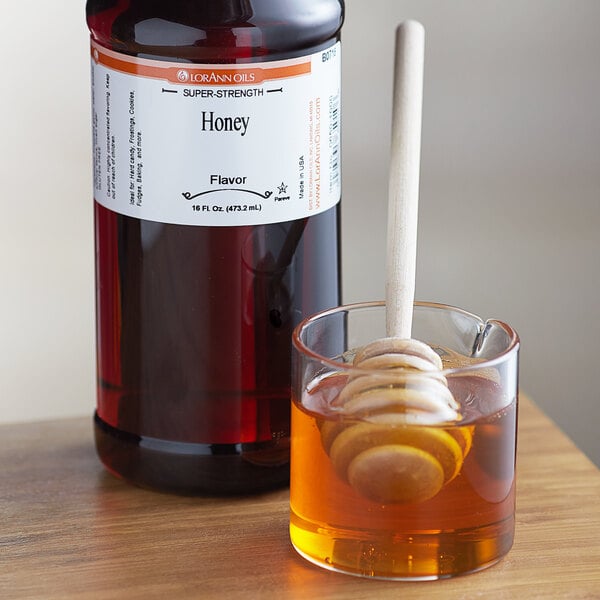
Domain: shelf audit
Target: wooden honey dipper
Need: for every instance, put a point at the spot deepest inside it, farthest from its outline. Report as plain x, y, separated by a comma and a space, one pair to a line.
398, 453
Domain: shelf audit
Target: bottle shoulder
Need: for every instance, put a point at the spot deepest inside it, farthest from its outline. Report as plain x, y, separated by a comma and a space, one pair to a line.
223, 31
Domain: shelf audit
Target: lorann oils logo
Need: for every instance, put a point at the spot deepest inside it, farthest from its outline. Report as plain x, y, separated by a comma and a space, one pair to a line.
218, 77
200, 76
183, 76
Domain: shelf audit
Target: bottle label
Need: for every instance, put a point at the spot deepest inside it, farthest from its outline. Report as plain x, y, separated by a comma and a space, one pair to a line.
216, 145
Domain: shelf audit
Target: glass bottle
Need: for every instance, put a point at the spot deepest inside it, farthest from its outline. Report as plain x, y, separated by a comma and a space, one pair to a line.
194, 315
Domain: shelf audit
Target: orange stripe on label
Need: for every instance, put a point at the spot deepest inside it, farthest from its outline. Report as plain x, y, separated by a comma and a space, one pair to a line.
185, 73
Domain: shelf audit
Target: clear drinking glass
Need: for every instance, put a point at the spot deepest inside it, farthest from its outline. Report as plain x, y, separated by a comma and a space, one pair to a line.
393, 493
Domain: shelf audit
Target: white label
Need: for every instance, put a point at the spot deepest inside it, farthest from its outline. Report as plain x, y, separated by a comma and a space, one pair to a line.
216, 145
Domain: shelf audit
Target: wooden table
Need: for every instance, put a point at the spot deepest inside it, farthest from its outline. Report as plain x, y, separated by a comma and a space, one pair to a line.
68, 530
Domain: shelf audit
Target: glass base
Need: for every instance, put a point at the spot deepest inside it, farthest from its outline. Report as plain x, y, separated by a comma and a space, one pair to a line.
406, 557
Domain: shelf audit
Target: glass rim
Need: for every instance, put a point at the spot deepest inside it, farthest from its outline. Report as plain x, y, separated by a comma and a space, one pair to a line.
300, 346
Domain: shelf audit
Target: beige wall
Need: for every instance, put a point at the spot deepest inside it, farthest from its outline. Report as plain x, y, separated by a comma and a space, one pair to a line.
510, 198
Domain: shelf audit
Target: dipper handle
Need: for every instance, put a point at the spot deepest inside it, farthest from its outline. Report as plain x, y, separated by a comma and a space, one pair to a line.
405, 160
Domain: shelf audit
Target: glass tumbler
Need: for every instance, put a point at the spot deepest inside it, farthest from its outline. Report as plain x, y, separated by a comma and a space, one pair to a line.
384, 488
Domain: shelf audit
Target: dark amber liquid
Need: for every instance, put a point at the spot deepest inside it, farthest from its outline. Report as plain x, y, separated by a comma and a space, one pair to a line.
467, 526
194, 323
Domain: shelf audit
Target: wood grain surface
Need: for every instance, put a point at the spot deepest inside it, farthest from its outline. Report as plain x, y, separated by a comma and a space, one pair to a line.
68, 530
